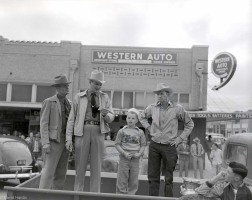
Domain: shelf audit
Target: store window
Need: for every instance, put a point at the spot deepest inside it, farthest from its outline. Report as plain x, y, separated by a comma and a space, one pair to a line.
3, 92
139, 100
21, 93
44, 92
174, 97
150, 98
108, 92
184, 98
117, 100
128, 100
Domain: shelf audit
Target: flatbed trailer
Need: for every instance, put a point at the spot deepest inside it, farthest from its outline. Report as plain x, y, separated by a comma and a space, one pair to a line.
29, 190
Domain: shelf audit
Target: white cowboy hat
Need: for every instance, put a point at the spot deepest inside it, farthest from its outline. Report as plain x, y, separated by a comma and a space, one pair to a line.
98, 76
60, 80
163, 87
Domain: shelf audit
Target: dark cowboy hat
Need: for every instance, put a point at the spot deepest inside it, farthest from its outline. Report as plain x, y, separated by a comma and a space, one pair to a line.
60, 80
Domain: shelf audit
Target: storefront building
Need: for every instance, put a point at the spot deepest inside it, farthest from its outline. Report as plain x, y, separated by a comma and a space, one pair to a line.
131, 74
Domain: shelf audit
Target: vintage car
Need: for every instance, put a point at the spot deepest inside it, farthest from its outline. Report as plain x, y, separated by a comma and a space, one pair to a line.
217, 138
16, 160
238, 148
110, 158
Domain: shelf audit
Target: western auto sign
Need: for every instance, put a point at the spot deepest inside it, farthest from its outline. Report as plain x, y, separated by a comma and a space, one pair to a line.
121, 57
223, 67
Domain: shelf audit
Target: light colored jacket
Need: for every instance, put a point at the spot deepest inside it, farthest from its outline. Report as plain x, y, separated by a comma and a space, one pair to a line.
194, 151
50, 120
77, 114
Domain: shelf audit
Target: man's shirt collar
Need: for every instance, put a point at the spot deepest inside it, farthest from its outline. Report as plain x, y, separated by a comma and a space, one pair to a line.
170, 104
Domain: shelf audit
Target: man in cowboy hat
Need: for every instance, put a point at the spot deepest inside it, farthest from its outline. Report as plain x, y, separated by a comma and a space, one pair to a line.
53, 119
197, 152
88, 122
164, 137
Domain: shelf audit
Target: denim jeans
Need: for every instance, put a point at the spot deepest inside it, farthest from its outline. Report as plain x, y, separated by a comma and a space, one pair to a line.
168, 155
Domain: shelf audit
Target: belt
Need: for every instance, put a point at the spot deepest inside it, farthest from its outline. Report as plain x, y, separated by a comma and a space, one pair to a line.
91, 123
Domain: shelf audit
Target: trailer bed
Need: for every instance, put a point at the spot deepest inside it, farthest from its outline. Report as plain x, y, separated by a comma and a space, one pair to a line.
29, 190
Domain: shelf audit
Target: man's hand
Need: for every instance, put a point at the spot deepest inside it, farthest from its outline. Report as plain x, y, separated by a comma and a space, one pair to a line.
176, 141
47, 148
104, 112
69, 145
219, 177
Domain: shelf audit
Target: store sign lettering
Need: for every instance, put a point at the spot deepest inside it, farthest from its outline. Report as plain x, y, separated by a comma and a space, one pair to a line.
222, 115
211, 115
134, 57
223, 67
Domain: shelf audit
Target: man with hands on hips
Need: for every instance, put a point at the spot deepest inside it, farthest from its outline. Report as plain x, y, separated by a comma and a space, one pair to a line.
164, 137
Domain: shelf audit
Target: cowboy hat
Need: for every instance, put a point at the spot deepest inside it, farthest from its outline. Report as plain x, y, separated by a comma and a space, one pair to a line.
60, 80
196, 139
98, 76
163, 87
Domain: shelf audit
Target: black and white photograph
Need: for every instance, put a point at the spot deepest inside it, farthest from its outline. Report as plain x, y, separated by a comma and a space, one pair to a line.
126, 99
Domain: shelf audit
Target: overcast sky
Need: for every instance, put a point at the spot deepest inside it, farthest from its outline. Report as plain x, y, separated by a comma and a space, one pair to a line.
223, 25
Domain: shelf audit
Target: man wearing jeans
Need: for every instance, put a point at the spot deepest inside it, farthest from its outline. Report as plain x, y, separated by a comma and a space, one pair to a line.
164, 137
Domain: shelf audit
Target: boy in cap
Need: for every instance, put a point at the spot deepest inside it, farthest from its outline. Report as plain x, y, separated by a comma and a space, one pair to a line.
53, 119
165, 115
227, 185
88, 122
130, 143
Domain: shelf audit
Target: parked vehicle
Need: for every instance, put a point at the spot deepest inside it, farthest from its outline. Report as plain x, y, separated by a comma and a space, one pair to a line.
238, 148
111, 157
217, 138
16, 160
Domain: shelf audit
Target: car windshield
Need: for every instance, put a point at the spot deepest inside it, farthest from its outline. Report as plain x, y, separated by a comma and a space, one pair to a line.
15, 151
237, 153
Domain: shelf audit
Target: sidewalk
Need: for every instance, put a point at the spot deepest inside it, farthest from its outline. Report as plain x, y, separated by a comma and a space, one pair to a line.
207, 173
